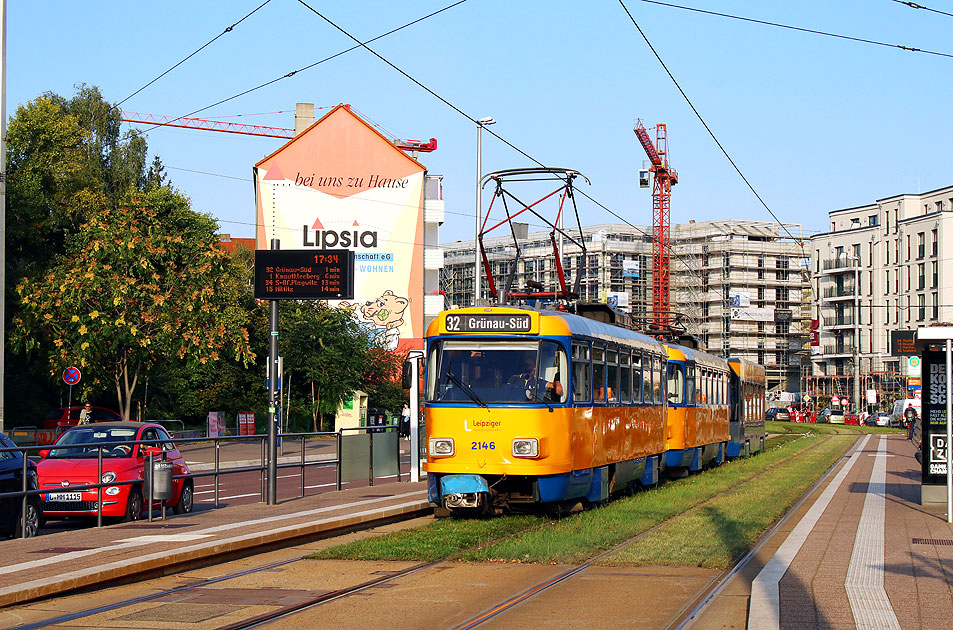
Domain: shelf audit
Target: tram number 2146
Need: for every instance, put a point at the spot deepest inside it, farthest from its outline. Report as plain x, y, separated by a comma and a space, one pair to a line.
482, 446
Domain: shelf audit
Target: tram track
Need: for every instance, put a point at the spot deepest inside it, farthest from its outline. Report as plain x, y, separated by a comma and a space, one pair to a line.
693, 606
677, 621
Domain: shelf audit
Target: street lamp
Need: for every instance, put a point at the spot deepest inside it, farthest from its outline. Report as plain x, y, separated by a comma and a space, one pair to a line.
483, 122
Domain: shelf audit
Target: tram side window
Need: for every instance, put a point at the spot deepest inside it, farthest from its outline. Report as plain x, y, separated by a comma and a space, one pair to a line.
553, 369
612, 375
658, 374
676, 384
598, 374
580, 372
637, 376
625, 388
691, 385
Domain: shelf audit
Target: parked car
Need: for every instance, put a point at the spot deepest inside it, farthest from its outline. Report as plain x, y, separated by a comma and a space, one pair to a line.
55, 422
11, 480
882, 419
74, 461
780, 414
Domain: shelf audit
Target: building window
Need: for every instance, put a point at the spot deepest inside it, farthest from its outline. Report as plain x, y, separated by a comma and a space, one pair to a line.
935, 243
921, 308
935, 274
921, 246
936, 306
921, 276
873, 220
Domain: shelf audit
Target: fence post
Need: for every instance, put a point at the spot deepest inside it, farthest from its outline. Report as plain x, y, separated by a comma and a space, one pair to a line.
99, 489
303, 438
217, 459
152, 483
370, 468
26, 486
340, 458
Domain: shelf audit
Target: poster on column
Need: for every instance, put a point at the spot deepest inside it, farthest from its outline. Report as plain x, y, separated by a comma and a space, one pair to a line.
934, 419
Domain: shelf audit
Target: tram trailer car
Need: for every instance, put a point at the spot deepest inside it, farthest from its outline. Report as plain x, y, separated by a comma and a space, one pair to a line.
531, 407
747, 408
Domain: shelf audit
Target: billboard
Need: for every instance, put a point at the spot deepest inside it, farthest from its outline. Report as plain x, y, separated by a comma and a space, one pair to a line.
752, 313
739, 299
340, 184
630, 268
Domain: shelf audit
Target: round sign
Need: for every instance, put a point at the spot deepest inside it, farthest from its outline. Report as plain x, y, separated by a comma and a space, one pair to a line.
843, 401
71, 375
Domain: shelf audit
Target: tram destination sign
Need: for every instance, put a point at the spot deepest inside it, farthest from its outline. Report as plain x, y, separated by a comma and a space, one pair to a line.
488, 323
304, 274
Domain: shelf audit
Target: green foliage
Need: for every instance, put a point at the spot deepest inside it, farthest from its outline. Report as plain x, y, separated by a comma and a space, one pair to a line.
139, 283
325, 353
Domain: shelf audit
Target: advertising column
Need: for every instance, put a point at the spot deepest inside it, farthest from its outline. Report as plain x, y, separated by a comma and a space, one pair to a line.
934, 421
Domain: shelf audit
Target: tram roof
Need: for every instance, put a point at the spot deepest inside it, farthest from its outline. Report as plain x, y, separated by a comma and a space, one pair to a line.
586, 327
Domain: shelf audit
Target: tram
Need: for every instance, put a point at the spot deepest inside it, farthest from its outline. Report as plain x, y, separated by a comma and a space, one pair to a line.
533, 408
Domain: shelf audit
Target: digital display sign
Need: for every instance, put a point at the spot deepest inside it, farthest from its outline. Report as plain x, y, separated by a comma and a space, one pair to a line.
488, 323
304, 274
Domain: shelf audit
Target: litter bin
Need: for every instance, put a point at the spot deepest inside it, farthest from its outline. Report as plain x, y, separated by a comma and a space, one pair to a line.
161, 480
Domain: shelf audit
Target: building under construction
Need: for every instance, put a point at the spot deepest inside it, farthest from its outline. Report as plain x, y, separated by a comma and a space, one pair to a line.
737, 286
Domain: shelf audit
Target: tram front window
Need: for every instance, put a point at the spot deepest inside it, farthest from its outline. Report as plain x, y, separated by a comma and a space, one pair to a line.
498, 372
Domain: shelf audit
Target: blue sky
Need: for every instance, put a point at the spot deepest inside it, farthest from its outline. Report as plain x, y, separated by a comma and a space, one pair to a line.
814, 123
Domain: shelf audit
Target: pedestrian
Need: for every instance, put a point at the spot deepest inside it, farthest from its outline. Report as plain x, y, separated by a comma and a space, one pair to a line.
405, 421
86, 414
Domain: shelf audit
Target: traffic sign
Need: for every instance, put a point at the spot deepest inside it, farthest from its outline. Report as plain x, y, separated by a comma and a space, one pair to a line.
72, 375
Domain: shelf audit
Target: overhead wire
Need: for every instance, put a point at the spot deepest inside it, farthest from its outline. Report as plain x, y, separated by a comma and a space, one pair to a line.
797, 28
309, 66
914, 5
467, 116
228, 29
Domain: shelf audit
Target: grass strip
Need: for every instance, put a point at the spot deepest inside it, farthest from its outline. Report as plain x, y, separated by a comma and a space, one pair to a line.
733, 522
576, 539
440, 539
774, 426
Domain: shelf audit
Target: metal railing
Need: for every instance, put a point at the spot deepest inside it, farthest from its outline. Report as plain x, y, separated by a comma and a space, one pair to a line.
301, 462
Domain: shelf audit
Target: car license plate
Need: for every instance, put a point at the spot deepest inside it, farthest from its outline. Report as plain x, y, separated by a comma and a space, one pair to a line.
64, 496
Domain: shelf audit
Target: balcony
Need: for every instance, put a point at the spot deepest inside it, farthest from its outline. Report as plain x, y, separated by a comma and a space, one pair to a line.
845, 349
836, 293
840, 265
433, 304
840, 321
433, 258
434, 210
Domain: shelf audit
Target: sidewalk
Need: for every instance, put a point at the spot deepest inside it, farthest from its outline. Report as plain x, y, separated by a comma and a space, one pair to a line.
860, 553
56, 563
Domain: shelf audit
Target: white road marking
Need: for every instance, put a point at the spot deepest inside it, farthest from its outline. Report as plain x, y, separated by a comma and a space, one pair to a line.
865, 573
106, 549
764, 609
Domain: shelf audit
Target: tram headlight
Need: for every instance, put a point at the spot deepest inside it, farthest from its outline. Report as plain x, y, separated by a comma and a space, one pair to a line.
441, 447
525, 447
108, 477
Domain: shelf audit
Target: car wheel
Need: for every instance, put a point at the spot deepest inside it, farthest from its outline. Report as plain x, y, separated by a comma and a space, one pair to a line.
134, 506
184, 506
32, 521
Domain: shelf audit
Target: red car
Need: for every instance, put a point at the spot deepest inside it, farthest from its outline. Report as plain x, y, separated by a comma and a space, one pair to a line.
67, 464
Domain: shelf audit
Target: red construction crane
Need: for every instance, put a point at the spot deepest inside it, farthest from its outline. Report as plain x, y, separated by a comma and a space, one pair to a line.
250, 130
664, 179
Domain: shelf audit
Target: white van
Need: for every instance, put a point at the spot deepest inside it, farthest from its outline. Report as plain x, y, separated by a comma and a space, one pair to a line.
896, 418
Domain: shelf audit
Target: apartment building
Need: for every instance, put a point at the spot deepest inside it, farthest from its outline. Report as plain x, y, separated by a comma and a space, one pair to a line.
882, 267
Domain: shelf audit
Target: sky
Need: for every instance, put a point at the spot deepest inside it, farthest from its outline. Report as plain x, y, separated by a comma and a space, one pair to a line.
814, 123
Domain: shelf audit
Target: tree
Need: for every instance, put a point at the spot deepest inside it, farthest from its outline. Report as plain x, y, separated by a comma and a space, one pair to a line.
138, 283
325, 351
64, 156
381, 379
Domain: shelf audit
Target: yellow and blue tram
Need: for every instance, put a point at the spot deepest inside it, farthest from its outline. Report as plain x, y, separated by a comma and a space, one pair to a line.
528, 407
